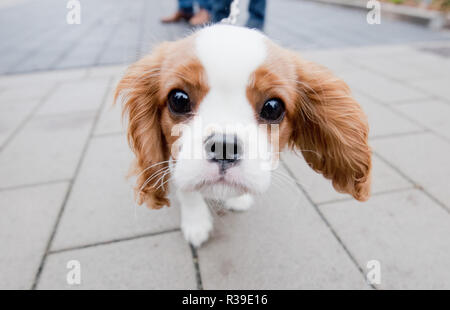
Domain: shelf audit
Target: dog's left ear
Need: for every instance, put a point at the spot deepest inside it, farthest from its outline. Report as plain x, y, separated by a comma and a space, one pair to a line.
139, 93
331, 130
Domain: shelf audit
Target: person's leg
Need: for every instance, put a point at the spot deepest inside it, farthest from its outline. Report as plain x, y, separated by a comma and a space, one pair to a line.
220, 9
203, 16
257, 11
187, 6
184, 12
205, 4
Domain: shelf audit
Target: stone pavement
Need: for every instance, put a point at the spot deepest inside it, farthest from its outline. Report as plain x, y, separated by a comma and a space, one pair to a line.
64, 196
34, 35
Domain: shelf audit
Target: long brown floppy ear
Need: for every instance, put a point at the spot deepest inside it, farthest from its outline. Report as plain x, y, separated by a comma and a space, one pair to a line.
138, 91
331, 130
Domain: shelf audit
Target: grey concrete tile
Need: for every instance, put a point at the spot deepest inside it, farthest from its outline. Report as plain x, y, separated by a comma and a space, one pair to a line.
46, 149
335, 61
426, 64
388, 91
280, 243
437, 86
433, 114
19, 80
383, 121
384, 178
54, 44
157, 262
86, 95
423, 158
114, 71
402, 63
26, 223
102, 195
34, 91
111, 120
405, 231
12, 114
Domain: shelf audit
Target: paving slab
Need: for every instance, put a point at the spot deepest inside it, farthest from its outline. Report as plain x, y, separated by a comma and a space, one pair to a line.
157, 262
114, 71
48, 148
336, 61
384, 178
117, 32
111, 121
26, 223
80, 96
12, 114
423, 158
434, 114
19, 80
401, 62
101, 206
378, 86
405, 231
280, 243
18, 93
436, 86
382, 120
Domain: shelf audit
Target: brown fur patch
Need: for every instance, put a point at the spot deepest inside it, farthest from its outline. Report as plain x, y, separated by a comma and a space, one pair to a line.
144, 90
322, 119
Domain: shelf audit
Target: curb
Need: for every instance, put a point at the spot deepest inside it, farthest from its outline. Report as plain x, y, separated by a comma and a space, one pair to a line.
433, 19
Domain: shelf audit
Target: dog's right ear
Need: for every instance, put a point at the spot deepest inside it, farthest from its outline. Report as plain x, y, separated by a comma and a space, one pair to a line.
332, 129
138, 90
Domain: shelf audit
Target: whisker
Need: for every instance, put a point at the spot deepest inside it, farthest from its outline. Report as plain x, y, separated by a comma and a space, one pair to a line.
161, 177
158, 163
160, 171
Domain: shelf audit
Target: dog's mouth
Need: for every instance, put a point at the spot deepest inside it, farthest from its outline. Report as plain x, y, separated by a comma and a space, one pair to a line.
221, 181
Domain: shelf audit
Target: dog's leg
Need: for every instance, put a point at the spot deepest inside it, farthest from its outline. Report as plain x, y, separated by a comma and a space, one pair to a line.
240, 203
196, 220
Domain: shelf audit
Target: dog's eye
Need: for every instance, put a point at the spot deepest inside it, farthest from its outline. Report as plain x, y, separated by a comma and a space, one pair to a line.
272, 110
179, 102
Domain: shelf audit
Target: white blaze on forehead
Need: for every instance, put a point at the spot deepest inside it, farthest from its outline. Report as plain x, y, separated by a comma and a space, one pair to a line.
230, 54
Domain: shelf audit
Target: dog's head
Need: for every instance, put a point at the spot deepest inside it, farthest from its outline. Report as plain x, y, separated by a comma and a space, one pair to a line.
220, 104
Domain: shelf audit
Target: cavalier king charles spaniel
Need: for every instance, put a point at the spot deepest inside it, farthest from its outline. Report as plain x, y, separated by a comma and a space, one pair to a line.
211, 113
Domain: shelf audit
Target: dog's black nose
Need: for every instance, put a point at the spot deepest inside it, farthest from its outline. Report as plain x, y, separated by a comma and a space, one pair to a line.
226, 150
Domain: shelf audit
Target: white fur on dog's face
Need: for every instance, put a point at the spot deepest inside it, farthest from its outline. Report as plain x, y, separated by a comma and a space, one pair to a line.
229, 56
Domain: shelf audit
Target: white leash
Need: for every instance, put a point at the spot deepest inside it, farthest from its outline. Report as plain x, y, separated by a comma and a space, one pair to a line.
234, 13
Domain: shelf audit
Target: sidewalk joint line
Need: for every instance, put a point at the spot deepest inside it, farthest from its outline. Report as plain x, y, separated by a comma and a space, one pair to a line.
108, 40
112, 241
415, 184
76, 41
381, 193
196, 262
65, 114
430, 96
108, 134
30, 115
328, 224
400, 134
21, 186
390, 107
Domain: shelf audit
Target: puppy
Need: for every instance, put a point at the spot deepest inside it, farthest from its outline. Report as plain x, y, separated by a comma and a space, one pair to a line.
212, 111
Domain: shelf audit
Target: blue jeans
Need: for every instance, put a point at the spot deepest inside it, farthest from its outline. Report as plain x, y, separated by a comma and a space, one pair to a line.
187, 6
256, 10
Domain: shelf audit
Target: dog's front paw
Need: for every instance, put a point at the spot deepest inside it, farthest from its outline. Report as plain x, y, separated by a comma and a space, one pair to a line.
196, 233
240, 203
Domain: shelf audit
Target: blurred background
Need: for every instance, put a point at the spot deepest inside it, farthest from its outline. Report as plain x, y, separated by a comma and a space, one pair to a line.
63, 153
